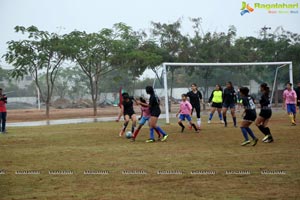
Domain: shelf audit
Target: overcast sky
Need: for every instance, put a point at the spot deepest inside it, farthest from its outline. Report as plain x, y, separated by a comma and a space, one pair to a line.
91, 15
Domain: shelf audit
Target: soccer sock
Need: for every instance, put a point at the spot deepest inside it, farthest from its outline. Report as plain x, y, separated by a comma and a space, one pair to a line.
225, 119
125, 126
292, 118
180, 124
161, 131
199, 122
245, 134
194, 126
268, 131
262, 129
220, 116
132, 128
152, 133
250, 133
158, 133
210, 116
234, 121
136, 132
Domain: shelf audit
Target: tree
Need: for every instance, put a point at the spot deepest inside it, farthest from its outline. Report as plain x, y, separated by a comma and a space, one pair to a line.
100, 53
41, 52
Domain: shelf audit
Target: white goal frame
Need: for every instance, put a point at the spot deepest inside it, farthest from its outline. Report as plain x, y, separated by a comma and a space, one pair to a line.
165, 64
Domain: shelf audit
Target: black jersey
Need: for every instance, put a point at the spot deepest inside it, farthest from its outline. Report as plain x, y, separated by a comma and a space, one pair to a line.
229, 96
249, 105
297, 90
194, 98
264, 102
128, 107
154, 105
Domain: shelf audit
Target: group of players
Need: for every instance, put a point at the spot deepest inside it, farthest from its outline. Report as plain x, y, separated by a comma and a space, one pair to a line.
220, 101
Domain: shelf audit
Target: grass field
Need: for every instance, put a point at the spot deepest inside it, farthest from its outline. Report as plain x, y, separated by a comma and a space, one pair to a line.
97, 147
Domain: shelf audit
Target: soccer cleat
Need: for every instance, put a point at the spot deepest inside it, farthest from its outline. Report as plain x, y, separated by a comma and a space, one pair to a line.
150, 140
225, 125
245, 143
269, 140
209, 121
222, 122
254, 142
293, 123
265, 138
121, 133
164, 138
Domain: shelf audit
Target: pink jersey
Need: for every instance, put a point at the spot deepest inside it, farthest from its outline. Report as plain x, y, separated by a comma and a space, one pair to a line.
146, 111
185, 108
289, 96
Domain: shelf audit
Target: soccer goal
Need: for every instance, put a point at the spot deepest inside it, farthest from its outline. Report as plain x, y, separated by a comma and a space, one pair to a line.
278, 66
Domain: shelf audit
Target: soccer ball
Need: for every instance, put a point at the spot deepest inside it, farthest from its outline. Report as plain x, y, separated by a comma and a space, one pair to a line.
128, 134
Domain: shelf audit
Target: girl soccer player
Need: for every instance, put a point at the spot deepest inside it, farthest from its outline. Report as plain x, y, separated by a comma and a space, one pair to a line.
229, 100
265, 113
290, 102
154, 112
249, 116
185, 111
3, 102
195, 97
145, 116
216, 99
128, 112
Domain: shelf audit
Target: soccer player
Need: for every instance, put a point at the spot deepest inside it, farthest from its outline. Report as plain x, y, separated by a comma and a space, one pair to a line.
195, 97
154, 112
249, 116
128, 112
145, 116
185, 109
216, 99
229, 100
3, 113
289, 102
265, 113
297, 90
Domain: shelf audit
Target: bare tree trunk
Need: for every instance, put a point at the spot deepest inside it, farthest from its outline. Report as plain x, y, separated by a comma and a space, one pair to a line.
47, 109
95, 107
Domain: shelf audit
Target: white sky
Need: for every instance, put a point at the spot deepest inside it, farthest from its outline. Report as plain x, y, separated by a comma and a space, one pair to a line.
93, 15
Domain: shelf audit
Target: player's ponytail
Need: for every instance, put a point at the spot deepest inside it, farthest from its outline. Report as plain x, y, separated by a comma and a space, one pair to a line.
266, 89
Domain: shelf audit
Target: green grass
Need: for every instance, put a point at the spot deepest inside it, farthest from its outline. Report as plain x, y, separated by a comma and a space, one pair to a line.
97, 147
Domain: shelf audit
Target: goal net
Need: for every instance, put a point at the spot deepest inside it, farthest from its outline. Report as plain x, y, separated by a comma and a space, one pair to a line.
207, 75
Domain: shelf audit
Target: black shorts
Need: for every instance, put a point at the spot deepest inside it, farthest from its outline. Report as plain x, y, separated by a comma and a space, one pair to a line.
251, 116
155, 113
197, 109
217, 105
266, 114
228, 105
129, 114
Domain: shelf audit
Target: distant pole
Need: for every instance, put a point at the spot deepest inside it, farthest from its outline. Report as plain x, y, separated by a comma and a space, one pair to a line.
166, 93
38, 98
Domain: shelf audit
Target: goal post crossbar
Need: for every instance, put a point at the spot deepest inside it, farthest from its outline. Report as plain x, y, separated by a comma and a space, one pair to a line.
165, 64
